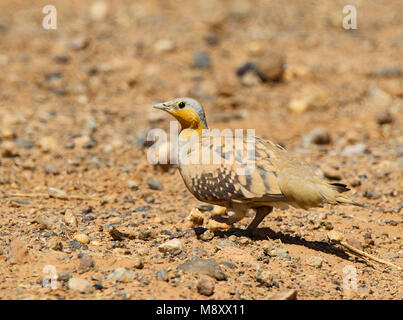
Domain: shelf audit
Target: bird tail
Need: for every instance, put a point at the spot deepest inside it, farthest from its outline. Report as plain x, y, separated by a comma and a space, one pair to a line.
343, 199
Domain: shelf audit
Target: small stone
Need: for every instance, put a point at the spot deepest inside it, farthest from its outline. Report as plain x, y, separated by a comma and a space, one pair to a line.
87, 263
276, 252
265, 277
121, 275
317, 136
271, 66
215, 225
55, 244
44, 222
315, 261
173, 247
222, 244
285, 294
133, 185
205, 287
250, 79
164, 45
7, 134
201, 60
70, 218
331, 172
138, 263
195, 217
9, 149
26, 144
64, 276
298, 105
48, 144
82, 238
203, 266
207, 235
379, 98
355, 243
162, 275
154, 184
309, 99
85, 142
98, 11
81, 285
77, 245
220, 211
384, 118
18, 252
354, 150
393, 71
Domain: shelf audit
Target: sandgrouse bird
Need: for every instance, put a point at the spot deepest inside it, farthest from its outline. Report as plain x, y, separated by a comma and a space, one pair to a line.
251, 173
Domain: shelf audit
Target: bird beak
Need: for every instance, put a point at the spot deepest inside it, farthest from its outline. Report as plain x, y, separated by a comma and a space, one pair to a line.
161, 106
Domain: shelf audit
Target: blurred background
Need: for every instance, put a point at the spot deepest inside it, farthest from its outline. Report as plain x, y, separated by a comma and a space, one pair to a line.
76, 101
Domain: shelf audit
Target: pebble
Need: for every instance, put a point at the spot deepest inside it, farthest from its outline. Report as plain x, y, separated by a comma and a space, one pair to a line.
318, 136
70, 218
80, 285
207, 235
225, 243
379, 98
265, 278
164, 45
393, 71
55, 244
9, 149
215, 225
331, 172
271, 66
98, 10
354, 150
384, 117
154, 184
133, 185
208, 267
82, 238
201, 60
18, 252
87, 263
309, 99
48, 144
205, 287
162, 275
64, 276
220, 211
138, 263
121, 275
24, 143
195, 217
250, 79
173, 247
285, 294
85, 142
276, 252
315, 261
77, 245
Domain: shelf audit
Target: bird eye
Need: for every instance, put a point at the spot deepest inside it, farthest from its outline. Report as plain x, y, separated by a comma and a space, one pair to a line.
181, 104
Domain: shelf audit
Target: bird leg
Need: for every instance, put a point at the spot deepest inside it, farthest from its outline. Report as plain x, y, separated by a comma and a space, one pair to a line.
261, 213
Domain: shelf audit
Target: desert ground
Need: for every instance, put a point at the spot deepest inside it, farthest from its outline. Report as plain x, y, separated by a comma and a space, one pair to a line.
85, 215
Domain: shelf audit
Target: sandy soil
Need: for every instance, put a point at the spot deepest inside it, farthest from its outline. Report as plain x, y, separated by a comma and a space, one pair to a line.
75, 109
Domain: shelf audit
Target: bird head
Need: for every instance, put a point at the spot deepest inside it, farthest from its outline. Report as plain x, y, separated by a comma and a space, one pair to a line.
187, 111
